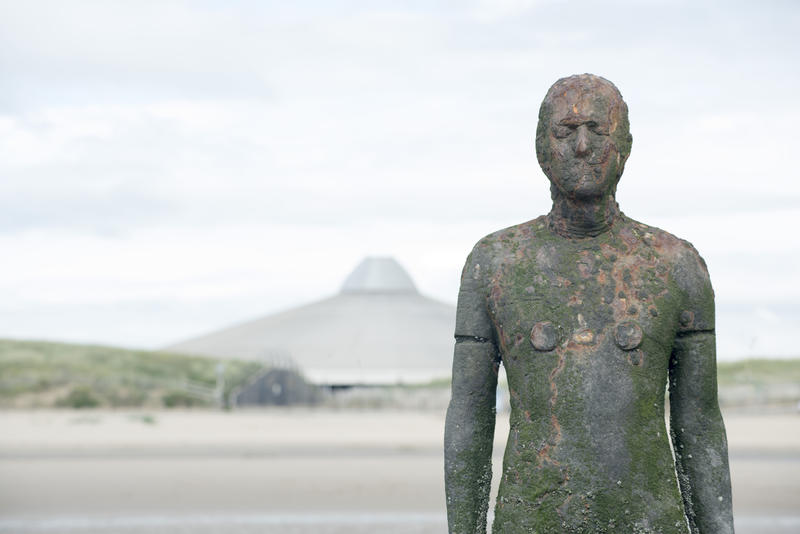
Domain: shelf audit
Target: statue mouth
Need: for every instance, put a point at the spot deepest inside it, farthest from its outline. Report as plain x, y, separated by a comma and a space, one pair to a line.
590, 171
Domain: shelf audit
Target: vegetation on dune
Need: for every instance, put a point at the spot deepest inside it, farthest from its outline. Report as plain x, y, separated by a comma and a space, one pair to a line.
43, 374
759, 371
760, 382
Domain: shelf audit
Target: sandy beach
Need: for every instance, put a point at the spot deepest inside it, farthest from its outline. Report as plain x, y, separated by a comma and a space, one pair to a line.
294, 471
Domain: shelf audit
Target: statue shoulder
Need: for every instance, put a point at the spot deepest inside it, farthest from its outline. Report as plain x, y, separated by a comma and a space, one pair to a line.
488, 254
689, 274
501, 245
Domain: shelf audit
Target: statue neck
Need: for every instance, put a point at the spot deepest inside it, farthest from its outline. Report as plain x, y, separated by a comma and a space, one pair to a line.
575, 219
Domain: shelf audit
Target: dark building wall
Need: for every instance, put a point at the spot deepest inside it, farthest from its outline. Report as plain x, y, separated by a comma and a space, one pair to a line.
277, 387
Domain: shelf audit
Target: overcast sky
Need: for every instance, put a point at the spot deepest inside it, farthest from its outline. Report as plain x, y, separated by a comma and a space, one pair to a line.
169, 168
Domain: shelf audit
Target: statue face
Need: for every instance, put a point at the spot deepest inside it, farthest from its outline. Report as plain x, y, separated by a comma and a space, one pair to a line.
578, 141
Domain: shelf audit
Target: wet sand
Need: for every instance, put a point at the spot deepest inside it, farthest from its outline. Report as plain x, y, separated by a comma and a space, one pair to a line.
294, 471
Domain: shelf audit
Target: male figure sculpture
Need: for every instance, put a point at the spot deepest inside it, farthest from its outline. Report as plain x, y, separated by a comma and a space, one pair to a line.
592, 314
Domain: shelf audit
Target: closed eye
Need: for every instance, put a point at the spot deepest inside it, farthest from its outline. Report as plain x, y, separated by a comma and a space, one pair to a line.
560, 131
596, 128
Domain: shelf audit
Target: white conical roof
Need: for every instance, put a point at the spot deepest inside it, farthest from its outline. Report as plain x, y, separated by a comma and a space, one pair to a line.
377, 330
378, 274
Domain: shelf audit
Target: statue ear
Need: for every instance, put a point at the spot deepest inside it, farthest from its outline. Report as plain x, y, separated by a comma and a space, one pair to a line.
541, 146
629, 145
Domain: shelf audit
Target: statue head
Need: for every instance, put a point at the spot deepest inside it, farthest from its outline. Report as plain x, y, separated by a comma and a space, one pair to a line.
583, 138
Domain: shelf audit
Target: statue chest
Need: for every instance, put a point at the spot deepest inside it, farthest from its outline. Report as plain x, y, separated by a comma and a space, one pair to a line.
582, 301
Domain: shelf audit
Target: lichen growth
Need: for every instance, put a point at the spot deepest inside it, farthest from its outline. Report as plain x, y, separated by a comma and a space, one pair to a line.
588, 449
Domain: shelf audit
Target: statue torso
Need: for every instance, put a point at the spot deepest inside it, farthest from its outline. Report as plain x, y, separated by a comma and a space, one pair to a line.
585, 329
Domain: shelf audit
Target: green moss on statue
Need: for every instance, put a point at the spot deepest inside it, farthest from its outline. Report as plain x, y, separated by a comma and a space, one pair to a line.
592, 314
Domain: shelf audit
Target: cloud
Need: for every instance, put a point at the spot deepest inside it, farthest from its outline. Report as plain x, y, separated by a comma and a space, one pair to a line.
107, 212
171, 152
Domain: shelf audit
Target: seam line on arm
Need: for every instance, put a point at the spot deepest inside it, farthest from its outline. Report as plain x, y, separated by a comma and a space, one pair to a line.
692, 332
475, 339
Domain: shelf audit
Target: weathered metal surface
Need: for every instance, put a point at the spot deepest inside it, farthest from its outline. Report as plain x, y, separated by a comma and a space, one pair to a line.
612, 309
628, 335
544, 336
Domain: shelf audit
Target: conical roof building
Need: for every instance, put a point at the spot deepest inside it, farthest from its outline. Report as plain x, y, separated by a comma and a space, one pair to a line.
377, 330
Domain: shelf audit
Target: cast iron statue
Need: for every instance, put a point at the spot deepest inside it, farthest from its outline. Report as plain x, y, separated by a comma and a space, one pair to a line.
592, 314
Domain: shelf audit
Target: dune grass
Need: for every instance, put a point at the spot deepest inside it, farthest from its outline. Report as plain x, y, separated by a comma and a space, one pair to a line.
45, 374
759, 371
760, 382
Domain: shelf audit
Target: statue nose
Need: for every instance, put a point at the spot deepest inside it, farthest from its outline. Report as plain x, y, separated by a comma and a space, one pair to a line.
581, 142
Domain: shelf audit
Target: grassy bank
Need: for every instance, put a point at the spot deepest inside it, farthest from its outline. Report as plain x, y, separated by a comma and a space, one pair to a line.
759, 371
760, 382
42, 374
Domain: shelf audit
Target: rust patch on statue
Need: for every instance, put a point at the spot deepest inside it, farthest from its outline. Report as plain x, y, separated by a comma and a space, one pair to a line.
502, 339
584, 336
574, 300
555, 430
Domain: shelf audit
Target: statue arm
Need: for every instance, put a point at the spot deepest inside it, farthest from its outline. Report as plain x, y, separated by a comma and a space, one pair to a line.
698, 432
469, 427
